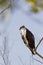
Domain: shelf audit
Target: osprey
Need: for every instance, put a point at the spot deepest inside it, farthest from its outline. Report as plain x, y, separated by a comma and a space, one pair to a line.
28, 38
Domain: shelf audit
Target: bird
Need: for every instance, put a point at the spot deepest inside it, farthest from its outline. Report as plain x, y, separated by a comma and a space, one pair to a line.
28, 38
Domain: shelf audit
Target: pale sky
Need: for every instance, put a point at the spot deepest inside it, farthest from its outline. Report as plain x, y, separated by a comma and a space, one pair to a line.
19, 53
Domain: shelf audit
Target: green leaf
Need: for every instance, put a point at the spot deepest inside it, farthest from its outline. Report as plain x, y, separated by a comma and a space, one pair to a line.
33, 1
34, 9
2, 2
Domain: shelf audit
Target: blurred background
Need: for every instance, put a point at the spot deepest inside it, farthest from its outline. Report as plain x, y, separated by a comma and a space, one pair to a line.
13, 14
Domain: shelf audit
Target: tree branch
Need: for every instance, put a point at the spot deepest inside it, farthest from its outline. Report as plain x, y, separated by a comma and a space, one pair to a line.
2, 57
36, 53
0, 52
39, 43
5, 9
39, 55
37, 60
37, 47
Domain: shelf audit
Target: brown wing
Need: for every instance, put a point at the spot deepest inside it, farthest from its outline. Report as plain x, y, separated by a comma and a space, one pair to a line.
31, 39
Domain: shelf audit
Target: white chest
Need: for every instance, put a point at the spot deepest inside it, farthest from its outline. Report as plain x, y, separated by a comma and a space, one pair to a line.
23, 33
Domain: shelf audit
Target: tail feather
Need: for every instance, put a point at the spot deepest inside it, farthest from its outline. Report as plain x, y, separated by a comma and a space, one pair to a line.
33, 51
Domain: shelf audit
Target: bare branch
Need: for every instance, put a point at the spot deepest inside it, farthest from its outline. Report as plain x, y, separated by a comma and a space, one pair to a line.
0, 52
4, 44
5, 9
39, 43
38, 54
2, 57
37, 60
5, 54
37, 47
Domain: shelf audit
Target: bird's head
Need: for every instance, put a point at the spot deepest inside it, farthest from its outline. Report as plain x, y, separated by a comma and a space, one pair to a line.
22, 29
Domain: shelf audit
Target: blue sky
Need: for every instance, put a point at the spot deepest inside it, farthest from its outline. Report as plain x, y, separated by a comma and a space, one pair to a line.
19, 53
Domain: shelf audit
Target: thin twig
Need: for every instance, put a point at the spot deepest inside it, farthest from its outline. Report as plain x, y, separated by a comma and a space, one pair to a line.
37, 60
39, 43
5, 9
3, 58
0, 52
39, 55
36, 53
37, 47
4, 44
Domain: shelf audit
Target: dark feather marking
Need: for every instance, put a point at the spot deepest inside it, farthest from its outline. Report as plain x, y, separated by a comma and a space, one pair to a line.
31, 40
